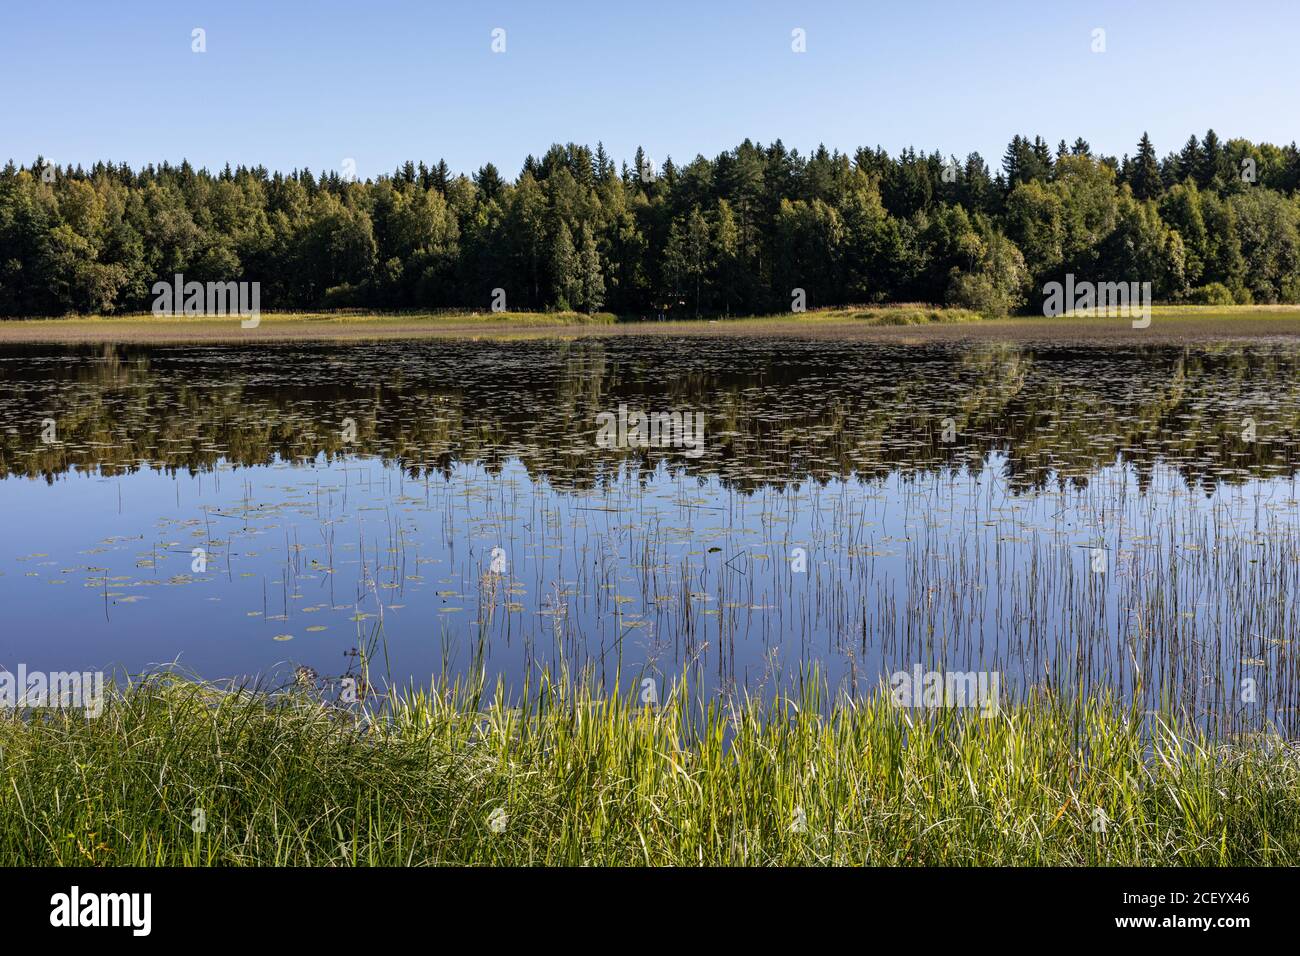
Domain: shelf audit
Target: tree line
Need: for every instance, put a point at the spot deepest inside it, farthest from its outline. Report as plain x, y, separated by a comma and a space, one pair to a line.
1216, 222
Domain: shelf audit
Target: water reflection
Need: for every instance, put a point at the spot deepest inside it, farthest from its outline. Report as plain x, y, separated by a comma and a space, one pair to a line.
1066, 518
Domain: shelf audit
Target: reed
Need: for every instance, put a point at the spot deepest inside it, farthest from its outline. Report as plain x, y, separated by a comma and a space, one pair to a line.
564, 775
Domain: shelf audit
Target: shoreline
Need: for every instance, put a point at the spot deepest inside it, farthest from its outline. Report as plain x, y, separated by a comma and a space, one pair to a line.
458, 777
1171, 325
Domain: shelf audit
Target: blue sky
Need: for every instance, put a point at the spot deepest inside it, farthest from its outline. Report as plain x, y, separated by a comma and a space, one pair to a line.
380, 81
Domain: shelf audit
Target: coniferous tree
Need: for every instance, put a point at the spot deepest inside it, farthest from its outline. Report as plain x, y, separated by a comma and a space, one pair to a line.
977, 191
729, 234
440, 178
1013, 161
489, 182
1042, 168
1190, 160
1144, 177
1211, 160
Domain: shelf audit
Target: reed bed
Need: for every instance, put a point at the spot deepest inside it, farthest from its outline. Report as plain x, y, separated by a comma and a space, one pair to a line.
176, 772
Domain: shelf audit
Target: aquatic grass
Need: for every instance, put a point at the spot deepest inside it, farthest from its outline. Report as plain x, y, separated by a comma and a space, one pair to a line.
916, 315
961, 555
572, 777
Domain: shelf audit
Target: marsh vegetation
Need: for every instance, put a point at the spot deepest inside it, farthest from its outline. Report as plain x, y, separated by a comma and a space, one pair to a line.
451, 595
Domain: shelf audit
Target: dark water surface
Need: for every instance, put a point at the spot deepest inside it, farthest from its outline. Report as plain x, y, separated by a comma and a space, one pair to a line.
1120, 518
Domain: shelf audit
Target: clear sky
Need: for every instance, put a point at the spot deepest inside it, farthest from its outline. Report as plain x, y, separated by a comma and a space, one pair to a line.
380, 81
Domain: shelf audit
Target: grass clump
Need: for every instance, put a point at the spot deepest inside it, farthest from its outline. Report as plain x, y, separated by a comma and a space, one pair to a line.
916, 315
177, 772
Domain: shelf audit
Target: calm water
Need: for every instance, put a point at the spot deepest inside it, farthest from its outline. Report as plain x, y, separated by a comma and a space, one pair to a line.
1122, 518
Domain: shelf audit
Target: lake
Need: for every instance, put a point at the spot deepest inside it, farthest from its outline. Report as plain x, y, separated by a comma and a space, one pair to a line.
1067, 518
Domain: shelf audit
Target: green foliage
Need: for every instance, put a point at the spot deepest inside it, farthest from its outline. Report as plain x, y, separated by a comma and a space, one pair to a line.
1216, 293
591, 282
176, 773
732, 235
566, 278
995, 284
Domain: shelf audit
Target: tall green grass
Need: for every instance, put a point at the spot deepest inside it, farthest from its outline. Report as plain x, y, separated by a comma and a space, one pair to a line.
583, 778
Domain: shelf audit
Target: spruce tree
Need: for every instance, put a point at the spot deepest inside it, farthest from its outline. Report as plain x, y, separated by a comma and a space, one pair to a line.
1211, 158
1145, 172
1012, 161
441, 177
489, 182
1190, 159
1042, 159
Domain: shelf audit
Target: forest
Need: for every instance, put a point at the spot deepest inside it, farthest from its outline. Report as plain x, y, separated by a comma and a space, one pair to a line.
1216, 222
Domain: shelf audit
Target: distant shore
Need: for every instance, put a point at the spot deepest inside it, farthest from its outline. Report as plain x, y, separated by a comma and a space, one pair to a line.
1171, 324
